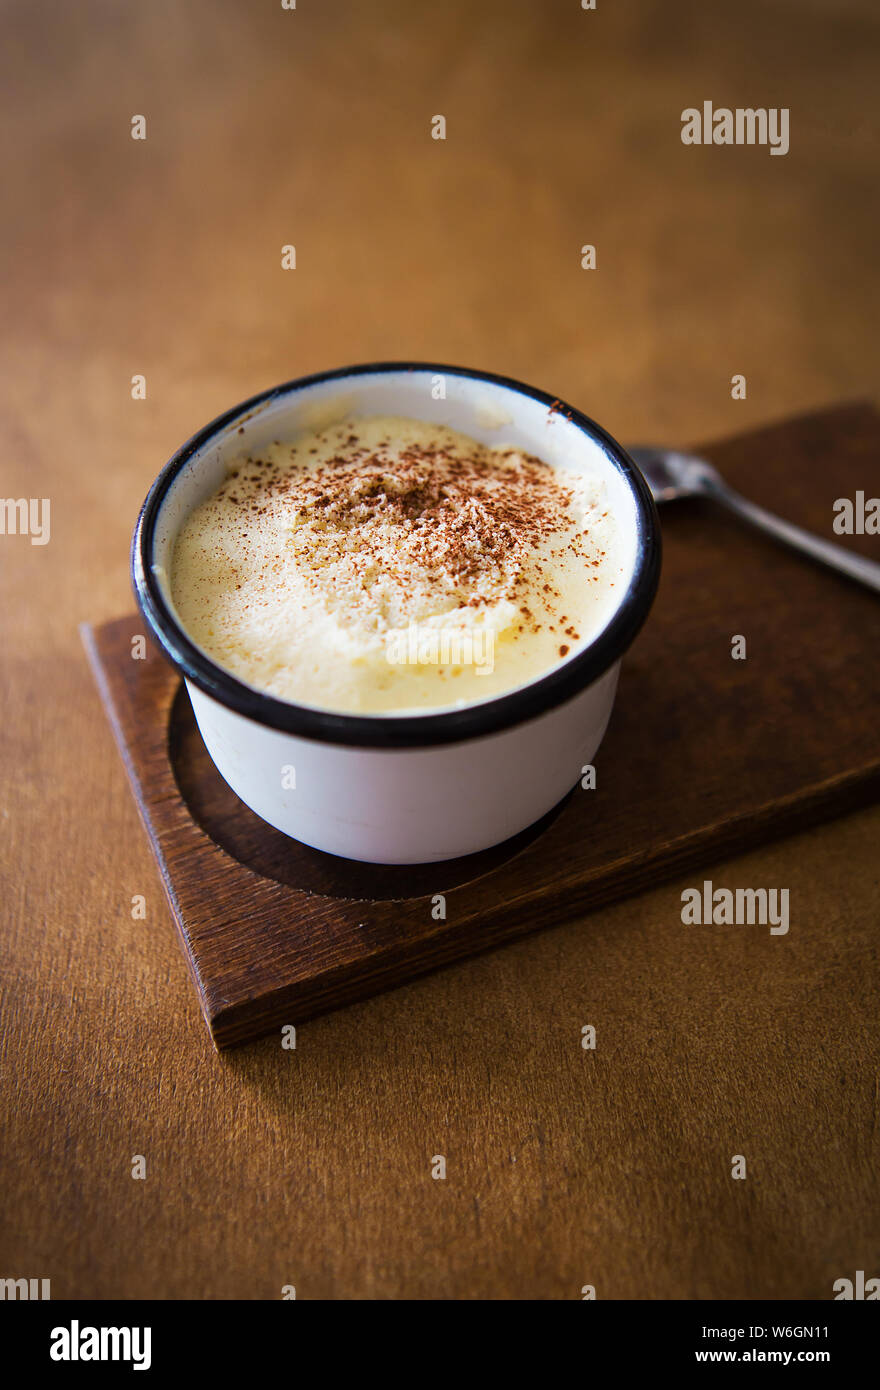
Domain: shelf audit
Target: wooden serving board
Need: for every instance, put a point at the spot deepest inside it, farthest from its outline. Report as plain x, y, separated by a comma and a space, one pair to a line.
705, 756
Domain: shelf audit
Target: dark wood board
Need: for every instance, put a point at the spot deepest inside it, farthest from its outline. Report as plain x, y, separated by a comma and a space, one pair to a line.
705, 756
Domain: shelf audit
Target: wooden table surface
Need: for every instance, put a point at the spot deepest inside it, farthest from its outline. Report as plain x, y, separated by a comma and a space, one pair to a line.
162, 257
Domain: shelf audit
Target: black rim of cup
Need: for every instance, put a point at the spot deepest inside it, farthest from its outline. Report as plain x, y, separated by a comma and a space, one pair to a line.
415, 730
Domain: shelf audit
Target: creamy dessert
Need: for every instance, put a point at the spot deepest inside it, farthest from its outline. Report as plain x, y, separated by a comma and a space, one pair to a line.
384, 564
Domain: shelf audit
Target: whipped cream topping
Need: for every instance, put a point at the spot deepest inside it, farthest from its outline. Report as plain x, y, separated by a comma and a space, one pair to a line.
386, 564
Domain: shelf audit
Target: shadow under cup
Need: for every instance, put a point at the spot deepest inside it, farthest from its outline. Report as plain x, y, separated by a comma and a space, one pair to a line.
402, 788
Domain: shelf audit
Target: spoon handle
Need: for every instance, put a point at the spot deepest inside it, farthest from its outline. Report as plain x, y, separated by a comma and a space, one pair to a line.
825, 552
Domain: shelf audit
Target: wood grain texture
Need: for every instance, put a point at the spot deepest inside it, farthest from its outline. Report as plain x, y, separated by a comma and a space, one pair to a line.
733, 752
312, 1167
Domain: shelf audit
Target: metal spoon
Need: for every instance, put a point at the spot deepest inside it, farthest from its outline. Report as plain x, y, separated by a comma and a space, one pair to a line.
671, 474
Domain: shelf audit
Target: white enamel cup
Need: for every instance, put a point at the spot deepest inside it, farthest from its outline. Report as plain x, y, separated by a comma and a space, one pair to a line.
402, 788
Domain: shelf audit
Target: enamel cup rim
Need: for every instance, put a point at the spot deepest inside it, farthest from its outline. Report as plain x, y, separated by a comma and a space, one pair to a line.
410, 730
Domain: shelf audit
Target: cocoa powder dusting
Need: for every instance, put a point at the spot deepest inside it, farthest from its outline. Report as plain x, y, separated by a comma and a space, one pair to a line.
469, 524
